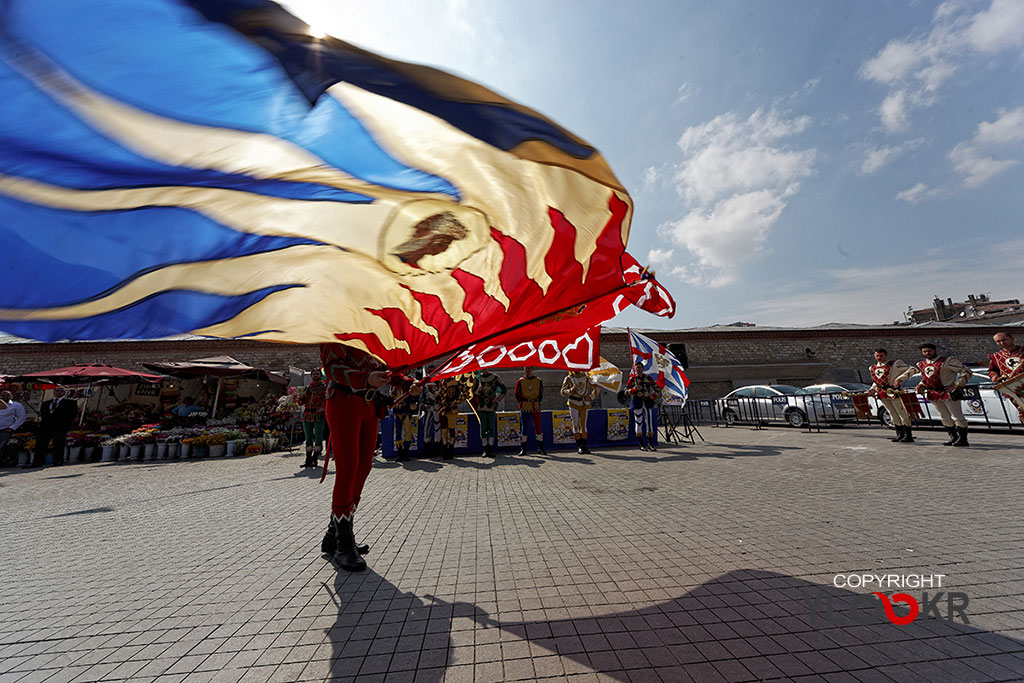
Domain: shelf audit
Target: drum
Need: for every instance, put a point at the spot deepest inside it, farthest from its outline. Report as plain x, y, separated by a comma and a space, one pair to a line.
860, 402
911, 403
1013, 389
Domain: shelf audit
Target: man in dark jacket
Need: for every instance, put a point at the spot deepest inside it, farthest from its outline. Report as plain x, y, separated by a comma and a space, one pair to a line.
55, 419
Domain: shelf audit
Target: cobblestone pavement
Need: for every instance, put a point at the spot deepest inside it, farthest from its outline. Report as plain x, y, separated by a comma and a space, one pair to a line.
696, 562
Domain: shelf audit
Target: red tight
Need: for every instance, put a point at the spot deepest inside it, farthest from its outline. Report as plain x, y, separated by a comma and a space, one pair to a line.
353, 424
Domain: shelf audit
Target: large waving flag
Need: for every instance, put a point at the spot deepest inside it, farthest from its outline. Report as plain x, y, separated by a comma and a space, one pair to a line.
209, 167
659, 363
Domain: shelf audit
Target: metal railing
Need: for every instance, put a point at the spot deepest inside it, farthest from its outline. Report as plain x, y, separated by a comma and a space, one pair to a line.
813, 412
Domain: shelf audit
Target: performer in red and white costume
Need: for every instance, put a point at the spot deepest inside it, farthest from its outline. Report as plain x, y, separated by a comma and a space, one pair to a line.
942, 377
1005, 364
354, 405
883, 373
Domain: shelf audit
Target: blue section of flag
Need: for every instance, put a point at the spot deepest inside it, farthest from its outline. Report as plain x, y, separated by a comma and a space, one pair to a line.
76, 256
314, 66
163, 315
75, 155
668, 373
161, 57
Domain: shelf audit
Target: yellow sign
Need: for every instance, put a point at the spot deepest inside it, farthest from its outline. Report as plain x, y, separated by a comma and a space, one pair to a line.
618, 424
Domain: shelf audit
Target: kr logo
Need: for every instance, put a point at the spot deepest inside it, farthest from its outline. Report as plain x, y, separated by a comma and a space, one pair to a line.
868, 608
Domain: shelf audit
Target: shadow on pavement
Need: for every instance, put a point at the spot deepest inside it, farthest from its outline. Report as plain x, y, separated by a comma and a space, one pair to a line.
755, 625
382, 629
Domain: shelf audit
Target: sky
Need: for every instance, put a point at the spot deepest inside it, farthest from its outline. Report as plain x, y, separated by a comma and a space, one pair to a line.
791, 163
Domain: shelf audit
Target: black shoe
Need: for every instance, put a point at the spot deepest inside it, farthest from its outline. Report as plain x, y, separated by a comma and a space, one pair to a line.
522, 450
953, 436
579, 446
345, 553
908, 435
540, 448
961, 441
403, 454
449, 452
650, 444
586, 451
899, 434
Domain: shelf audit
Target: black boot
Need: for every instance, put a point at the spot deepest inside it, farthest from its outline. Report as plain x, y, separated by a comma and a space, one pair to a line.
643, 442
522, 449
908, 435
586, 451
403, 453
900, 434
345, 553
540, 446
579, 446
961, 440
650, 443
953, 436
449, 451
330, 542
316, 458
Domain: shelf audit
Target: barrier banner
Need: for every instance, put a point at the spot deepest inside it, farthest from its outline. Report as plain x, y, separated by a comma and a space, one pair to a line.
508, 429
618, 424
561, 427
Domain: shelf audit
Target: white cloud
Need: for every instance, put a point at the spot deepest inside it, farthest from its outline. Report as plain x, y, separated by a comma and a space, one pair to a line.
877, 157
914, 68
735, 179
649, 177
893, 111
685, 92
659, 256
999, 27
728, 154
916, 194
975, 159
726, 236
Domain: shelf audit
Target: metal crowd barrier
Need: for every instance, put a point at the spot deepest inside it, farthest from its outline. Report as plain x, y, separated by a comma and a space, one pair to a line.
820, 411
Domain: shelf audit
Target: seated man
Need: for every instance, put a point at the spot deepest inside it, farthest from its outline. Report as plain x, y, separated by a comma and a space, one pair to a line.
187, 407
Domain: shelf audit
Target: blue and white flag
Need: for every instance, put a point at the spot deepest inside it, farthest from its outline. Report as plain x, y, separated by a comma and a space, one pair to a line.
659, 363
210, 167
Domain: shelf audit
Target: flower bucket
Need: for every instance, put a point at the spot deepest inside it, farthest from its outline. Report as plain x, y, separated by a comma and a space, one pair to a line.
161, 450
74, 453
149, 451
88, 453
201, 452
218, 450
135, 452
108, 453
124, 452
185, 450
231, 449
24, 458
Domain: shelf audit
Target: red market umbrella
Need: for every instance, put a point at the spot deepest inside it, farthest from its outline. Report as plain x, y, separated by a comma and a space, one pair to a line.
91, 372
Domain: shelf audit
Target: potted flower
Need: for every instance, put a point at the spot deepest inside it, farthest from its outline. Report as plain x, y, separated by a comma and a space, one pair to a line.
186, 446
217, 443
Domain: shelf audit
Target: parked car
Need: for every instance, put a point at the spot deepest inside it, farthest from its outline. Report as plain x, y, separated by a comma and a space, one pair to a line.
782, 402
840, 393
983, 405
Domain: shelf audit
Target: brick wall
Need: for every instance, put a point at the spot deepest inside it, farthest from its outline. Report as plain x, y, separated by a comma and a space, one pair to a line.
722, 360
719, 359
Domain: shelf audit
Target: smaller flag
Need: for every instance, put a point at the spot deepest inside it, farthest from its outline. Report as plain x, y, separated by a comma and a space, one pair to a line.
660, 364
607, 376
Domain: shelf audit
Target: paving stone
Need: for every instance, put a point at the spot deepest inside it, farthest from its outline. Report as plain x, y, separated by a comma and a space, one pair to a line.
692, 563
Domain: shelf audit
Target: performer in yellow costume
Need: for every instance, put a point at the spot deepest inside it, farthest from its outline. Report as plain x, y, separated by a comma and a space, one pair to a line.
580, 391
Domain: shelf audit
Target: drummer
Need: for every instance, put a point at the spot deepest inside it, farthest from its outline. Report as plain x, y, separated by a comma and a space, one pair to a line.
1007, 364
883, 374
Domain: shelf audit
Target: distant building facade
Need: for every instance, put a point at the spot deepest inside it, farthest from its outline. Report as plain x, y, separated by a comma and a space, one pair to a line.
978, 309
